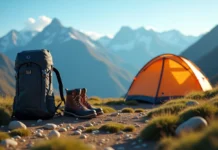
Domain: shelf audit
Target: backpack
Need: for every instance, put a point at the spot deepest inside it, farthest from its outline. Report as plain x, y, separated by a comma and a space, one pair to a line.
34, 98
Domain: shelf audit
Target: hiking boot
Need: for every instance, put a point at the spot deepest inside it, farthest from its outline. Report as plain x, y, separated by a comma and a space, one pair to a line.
85, 102
75, 108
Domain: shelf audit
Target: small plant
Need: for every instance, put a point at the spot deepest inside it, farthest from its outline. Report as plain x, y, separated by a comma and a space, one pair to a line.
107, 109
206, 111
119, 102
176, 101
66, 143
159, 127
195, 95
114, 127
20, 132
3, 136
167, 109
139, 110
127, 110
4, 116
90, 129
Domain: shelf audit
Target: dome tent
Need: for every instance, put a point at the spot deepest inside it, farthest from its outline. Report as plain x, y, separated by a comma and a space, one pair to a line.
167, 76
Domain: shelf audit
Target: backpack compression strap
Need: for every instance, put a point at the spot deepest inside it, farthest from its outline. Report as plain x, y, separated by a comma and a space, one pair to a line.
60, 87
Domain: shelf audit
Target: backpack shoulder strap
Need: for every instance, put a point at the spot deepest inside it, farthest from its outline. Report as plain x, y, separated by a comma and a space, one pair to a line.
60, 87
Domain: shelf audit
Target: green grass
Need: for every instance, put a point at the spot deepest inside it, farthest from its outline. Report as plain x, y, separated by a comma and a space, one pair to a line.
167, 109
127, 110
107, 109
114, 127
160, 127
139, 110
67, 143
90, 129
3, 136
203, 95
203, 140
206, 111
5, 116
20, 132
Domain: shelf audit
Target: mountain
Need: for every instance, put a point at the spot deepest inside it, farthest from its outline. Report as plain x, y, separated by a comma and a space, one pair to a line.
176, 38
7, 81
81, 61
105, 40
203, 46
139, 46
14, 39
208, 64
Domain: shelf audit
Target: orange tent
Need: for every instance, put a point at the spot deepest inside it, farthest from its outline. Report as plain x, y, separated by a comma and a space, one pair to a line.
167, 76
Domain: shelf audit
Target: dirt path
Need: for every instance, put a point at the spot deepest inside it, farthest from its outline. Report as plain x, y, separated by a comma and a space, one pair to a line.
117, 141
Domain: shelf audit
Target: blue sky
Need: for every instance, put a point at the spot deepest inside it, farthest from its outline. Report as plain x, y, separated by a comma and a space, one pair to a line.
107, 16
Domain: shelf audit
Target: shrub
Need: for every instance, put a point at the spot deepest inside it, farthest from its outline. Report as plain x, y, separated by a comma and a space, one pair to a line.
127, 110
107, 109
139, 110
67, 143
206, 139
166, 109
206, 111
114, 127
20, 132
3, 136
159, 127
4, 116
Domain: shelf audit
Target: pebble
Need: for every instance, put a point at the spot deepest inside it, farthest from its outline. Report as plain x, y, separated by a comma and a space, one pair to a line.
108, 148
40, 135
137, 125
115, 114
16, 125
8, 143
30, 145
62, 130
69, 127
83, 136
81, 127
50, 126
128, 136
54, 133
88, 124
39, 131
23, 140
77, 133
120, 133
17, 137
109, 119
136, 117
95, 132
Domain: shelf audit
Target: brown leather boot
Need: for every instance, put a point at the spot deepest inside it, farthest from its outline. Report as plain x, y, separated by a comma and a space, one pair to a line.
85, 102
75, 108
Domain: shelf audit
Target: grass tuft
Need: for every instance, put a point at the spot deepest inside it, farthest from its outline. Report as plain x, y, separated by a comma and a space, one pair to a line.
114, 127
67, 143
107, 109
127, 110
3, 136
203, 95
4, 116
206, 111
159, 127
139, 110
167, 109
20, 132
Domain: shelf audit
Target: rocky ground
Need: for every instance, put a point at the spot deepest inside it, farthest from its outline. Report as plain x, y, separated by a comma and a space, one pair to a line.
68, 126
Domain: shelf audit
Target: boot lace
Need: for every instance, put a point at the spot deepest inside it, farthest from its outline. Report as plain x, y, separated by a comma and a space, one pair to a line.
78, 101
85, 101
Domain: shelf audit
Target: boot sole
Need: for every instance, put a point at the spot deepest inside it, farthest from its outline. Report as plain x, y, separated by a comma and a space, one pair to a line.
100, 113
77, 116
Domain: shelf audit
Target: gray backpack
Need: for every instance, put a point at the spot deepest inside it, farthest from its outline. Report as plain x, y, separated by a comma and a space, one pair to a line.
34, 88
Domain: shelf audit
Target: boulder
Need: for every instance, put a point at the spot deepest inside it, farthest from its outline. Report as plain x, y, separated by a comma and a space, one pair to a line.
193, 123
50, 126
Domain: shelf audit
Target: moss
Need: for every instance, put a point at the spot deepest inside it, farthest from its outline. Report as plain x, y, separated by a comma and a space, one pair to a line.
114, 127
